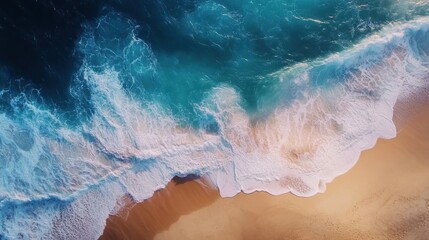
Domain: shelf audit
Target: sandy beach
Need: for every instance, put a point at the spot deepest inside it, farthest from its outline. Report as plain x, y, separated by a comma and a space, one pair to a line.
385, 196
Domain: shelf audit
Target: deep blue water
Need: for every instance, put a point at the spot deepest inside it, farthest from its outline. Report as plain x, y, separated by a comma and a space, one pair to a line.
197, 44
104, 98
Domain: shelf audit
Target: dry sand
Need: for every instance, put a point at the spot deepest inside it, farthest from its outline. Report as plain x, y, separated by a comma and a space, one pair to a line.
385, 196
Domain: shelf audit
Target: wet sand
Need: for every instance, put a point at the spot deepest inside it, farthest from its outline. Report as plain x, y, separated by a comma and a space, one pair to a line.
145, 220
385, 196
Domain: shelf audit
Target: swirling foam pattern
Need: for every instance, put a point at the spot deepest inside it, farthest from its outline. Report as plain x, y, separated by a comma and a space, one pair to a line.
280, 104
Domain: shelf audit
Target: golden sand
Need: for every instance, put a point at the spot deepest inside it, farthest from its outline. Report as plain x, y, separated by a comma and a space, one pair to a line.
385, 196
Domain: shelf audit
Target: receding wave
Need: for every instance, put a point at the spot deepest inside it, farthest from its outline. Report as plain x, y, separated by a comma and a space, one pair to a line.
58, 174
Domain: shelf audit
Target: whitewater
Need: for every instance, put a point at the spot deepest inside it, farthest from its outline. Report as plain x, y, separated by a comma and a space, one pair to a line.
58, 173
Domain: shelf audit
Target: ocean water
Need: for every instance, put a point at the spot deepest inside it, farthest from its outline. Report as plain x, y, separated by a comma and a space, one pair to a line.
101, 99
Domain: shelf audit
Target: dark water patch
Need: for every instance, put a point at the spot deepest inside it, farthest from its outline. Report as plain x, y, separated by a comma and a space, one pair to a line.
187, 178
37, 40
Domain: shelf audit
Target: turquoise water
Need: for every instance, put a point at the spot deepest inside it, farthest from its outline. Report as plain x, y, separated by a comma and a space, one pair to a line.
121, 96
237, 43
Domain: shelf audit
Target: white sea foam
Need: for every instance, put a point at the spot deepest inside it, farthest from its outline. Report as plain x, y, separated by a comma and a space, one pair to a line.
57, 179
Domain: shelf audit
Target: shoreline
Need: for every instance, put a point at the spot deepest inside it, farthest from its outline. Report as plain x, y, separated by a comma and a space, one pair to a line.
177, 209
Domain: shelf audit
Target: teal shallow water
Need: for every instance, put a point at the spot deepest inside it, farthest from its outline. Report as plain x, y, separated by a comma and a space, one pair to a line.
236, 43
